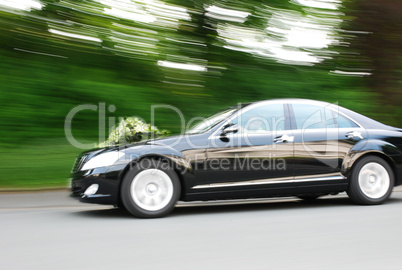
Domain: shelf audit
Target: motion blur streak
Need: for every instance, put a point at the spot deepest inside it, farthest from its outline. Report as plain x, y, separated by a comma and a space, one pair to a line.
21, 4
287, 36
198, 56
226, 14
327, 4
73, 35
181, 66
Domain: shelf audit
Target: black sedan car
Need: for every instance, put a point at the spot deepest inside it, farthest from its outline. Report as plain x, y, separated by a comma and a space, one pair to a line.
284, 147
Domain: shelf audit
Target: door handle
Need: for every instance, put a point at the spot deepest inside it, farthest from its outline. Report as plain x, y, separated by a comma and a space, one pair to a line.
354, 134
284, 138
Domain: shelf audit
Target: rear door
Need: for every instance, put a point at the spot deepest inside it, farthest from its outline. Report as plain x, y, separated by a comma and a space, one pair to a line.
322, 139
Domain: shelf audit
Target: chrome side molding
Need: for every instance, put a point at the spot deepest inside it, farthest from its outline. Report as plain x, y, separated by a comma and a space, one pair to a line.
271, 181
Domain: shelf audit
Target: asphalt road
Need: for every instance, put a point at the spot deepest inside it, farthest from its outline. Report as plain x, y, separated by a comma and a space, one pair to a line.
48, 230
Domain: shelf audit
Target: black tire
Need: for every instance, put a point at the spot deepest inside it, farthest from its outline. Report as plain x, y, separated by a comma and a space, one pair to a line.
374, 187
150, 171
308, 198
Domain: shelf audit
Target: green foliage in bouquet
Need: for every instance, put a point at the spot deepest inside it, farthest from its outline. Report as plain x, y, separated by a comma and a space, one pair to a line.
130, 130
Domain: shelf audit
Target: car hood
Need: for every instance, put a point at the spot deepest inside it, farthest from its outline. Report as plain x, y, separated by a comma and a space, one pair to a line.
158, 141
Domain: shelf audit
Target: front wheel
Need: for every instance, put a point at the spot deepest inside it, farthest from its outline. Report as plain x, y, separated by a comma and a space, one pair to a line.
150, 189
371, 181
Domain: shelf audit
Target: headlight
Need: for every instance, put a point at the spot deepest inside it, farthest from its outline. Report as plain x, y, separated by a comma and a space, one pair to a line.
102, 160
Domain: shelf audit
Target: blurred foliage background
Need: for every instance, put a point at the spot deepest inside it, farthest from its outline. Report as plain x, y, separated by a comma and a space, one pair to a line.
197, 55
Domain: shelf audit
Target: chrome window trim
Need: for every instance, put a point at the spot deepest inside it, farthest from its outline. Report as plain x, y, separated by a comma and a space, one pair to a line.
317, 130
290, 102
264, 134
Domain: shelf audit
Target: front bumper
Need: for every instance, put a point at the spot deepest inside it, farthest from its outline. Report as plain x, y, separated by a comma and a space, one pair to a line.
108, 179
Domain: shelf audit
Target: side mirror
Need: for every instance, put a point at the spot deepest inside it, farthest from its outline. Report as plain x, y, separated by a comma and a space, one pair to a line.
230, 129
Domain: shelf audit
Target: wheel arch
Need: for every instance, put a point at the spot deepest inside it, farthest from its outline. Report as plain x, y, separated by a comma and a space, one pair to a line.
177, 163
359, 156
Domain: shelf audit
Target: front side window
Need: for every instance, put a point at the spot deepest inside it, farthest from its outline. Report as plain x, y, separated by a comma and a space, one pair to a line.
262, 119
211, 121
316, 117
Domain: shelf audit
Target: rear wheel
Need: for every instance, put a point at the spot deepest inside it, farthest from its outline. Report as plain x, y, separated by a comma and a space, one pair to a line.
150, 189
371, 181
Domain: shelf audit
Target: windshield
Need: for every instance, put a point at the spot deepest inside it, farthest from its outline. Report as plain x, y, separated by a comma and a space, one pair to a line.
209, 122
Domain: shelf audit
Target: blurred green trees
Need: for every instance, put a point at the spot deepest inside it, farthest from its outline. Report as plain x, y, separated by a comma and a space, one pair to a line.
128, 54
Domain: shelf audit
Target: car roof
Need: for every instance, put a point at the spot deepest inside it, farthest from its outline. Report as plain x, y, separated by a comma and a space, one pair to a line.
292, 101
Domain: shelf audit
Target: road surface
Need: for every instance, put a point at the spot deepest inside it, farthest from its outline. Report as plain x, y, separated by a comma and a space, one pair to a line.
48, 230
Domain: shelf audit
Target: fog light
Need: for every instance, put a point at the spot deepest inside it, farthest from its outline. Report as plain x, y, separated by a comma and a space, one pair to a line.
91, 190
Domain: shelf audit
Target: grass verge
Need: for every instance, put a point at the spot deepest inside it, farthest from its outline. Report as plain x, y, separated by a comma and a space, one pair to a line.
41, 165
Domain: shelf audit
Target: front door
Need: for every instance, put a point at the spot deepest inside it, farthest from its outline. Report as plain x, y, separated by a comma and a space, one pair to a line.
257, 150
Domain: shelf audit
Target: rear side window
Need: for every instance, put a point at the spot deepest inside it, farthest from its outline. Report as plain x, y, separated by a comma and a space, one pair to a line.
343, 122
316, 117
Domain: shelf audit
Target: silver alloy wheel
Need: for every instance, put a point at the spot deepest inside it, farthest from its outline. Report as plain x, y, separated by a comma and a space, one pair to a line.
374, 180
152, 189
